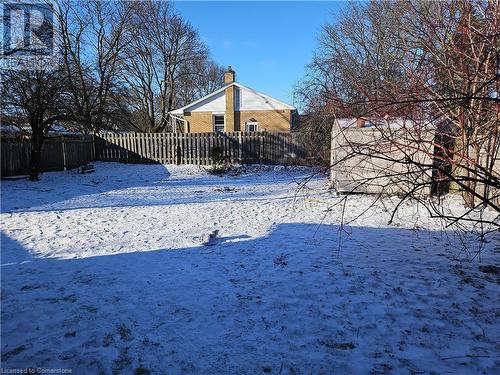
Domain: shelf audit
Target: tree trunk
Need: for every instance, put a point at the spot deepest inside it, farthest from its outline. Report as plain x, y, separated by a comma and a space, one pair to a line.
36, 156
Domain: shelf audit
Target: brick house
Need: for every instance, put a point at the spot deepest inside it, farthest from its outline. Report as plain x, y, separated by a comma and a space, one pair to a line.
235, 107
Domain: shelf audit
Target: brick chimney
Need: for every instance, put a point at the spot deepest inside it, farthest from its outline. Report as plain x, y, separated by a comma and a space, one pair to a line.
229, 75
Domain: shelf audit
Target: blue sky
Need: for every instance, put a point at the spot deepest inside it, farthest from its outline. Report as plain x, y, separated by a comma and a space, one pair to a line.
268, 44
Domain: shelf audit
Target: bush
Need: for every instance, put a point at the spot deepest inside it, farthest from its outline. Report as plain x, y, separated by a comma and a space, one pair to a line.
221, 164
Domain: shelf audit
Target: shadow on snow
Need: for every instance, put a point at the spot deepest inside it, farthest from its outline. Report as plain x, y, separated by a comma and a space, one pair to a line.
285, 300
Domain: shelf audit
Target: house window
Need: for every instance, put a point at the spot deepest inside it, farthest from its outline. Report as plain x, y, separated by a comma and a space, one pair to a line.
252, 126
218, 121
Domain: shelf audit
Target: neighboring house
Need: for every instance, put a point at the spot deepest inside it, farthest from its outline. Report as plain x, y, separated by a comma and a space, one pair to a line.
235, 107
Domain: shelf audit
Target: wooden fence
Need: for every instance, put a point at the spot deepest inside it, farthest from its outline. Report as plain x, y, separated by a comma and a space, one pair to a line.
58, 154
198, 148
63, 153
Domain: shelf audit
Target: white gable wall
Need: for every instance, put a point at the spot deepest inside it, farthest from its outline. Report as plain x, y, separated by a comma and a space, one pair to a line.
253, 101
215, 103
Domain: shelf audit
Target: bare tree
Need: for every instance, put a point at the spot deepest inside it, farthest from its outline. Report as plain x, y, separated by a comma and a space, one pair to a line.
35, 98
207, 76
433, 64
353, 57
93, 35
164, 53
460, 89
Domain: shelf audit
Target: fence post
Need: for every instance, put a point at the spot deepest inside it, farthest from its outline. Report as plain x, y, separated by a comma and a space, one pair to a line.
93, 154
240, 148
261, 148
64, 153
178, 151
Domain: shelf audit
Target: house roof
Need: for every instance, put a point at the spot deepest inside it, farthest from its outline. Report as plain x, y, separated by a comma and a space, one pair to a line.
181, 110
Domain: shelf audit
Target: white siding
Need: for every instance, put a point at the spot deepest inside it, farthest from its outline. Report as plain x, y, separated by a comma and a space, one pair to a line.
215, 103
253, 101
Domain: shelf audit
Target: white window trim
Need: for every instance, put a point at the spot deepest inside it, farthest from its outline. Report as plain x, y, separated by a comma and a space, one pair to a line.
213, 120
256, 123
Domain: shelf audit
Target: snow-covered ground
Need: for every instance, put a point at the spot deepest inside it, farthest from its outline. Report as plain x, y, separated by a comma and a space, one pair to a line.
107, 273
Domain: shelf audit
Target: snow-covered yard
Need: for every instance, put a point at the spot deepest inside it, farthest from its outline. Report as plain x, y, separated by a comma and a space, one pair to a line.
107, 273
